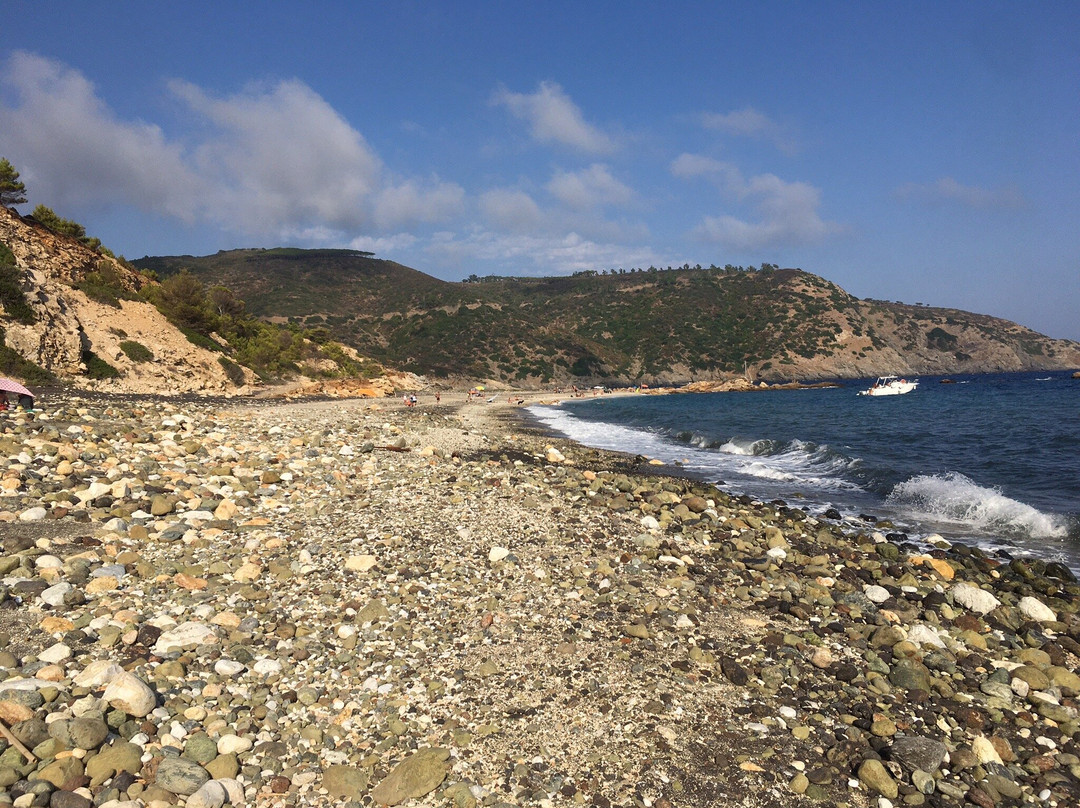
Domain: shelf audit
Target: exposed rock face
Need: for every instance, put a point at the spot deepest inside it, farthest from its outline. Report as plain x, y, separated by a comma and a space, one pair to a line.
67, 322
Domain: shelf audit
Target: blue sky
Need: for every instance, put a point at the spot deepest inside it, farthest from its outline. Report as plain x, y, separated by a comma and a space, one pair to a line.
924, 152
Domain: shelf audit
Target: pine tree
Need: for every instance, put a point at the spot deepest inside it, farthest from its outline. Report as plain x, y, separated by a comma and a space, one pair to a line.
12, 192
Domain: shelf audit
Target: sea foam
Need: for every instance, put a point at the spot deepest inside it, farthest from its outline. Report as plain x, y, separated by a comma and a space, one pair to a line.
956, 498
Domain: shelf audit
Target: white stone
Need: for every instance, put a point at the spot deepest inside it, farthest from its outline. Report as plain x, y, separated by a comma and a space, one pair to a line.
360, 563
650, 523
228, 667
24, 684
188, 634
92, 492
45, 562
97, 674
497, 554
1035, 609
925, 635
234, 790
973, 598
55, 653
131, 694
876, 594
33, 514
985, 751
554, 455
211, 794
228, 744
54, 595
266, 667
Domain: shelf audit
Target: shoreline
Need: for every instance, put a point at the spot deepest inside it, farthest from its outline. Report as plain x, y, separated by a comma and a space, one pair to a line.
356, 596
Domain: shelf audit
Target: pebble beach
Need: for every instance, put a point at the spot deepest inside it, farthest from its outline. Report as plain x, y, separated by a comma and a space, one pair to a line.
352, 602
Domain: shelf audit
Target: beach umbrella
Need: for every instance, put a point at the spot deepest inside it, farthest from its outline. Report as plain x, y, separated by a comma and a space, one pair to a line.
8, 386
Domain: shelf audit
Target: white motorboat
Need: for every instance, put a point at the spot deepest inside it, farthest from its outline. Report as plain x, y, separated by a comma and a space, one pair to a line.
890, 386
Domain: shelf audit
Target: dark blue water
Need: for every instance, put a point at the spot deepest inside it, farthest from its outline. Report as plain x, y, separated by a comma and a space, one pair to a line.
993, 459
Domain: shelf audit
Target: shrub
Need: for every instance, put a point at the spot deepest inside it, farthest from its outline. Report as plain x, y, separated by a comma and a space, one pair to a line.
203, 341
12, 296
103, 285
98, 368
13, 364
233, 372
136, 351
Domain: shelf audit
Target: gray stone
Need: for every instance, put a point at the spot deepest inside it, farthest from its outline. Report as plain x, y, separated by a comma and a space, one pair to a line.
112, 759
914, 752
200, 747
911, 674
181, 776
347, 782
87, 732
414, 777
876, 778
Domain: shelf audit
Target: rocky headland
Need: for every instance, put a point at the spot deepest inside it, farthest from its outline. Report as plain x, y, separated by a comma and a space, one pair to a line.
210, 603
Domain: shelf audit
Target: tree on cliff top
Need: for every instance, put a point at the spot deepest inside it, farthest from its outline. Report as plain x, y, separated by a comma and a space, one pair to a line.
12, 192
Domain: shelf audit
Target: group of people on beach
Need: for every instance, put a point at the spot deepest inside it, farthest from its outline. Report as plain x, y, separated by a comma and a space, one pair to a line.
23, 402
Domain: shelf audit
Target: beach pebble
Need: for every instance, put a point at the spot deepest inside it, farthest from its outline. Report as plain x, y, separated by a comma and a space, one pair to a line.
1034, 609
973, 598
185, 635
876, 594
131, 694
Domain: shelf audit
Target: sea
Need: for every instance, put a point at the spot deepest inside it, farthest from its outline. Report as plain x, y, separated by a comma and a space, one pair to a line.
990, 460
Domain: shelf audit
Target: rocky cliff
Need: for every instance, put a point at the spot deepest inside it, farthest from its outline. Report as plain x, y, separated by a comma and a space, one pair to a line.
67, 325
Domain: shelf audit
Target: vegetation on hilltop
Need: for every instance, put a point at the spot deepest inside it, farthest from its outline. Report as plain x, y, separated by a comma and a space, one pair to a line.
626, 326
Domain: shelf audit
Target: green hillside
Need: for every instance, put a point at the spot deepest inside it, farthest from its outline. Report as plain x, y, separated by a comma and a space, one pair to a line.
628, 326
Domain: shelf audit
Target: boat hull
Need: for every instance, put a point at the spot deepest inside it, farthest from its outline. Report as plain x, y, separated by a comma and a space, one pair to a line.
892, 388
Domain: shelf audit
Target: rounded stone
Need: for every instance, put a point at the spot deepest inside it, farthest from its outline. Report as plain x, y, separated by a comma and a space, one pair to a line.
181, 776
131, 694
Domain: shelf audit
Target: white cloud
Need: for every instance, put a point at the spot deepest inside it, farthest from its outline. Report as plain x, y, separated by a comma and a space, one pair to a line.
512, 210
383, 245
593, 187
282, 155
554, 118
271, 161
538, 255
749, 122
411, 202
786, 212
72, 149
690, 166
947, 189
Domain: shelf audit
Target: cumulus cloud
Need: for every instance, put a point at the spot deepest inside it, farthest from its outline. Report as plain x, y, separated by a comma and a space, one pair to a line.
786, 212
510, 209
71, 148
593, 187
281, 154
410, 202
538, 255
271, 160
554, 118
690, 166
948, 189
749, 122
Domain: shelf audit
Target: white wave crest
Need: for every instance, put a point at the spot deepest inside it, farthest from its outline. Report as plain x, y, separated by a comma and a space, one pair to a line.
957, 498
746, 447
767, 472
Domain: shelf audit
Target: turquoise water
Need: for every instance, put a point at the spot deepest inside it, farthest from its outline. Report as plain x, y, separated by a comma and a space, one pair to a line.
992, 459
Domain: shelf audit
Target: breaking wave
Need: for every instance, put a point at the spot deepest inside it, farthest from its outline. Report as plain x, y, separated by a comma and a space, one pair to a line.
952, 497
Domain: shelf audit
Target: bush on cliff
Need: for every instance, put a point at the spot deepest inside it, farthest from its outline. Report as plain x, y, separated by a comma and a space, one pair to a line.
12, 296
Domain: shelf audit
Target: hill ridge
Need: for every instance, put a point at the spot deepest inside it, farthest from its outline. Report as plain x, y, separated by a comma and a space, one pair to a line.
626, 327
